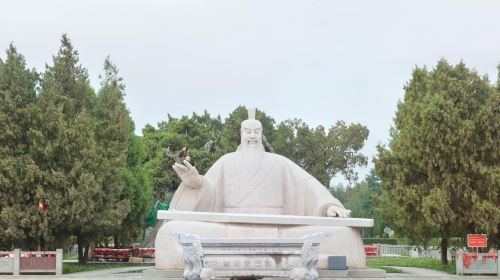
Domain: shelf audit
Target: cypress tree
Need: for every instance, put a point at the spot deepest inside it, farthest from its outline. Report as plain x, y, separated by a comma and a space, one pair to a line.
64, 143
80, 197
119, 155
19, 217
441, 166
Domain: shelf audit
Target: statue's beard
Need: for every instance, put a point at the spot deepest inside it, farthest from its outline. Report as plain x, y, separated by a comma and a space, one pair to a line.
251, 160
251, 144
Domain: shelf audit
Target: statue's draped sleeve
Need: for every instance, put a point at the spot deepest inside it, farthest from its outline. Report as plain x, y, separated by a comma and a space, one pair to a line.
205, 198
304, 194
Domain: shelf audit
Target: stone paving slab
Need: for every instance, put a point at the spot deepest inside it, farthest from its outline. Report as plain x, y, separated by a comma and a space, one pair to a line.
130, 276
130, 273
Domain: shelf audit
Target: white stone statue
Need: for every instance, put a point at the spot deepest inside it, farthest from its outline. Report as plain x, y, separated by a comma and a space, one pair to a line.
252, 181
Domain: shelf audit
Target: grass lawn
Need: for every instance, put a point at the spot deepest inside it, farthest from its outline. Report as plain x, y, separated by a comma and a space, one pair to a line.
75, 257
75, 267
389, 269
429, 263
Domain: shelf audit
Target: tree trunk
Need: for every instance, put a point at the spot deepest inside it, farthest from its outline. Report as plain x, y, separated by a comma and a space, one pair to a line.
86, 253
81, 247
444, 250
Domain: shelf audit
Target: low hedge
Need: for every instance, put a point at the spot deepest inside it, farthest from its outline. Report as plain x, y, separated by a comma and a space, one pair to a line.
452, 242
392, 241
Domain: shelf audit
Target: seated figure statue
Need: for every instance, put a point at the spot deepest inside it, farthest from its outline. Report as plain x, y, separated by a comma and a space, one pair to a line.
252, 181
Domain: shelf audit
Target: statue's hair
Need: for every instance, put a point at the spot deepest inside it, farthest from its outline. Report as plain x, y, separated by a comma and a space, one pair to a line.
251, 113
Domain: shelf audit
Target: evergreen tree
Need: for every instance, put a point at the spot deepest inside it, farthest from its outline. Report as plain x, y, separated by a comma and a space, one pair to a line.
81, 194
323, 153
19, 215
441, 166
175, 134
381, 206
310, 148
138, 189
121, 156
64, 146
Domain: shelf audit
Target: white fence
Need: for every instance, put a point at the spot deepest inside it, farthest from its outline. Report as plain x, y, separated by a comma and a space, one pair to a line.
17, 262
413, 251
388, 249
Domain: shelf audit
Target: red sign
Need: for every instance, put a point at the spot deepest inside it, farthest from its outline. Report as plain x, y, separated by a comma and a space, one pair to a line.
372, 250
476, 240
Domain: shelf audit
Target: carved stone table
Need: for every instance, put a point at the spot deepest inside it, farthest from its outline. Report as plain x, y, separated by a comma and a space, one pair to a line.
294, 258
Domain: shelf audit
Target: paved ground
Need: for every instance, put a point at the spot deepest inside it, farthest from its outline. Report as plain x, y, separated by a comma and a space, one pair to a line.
422, 273
409, 273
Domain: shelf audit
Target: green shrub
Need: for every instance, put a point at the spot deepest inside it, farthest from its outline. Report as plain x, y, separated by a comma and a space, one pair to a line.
456, 242
429, 263
392, 241
75, 267
452, 242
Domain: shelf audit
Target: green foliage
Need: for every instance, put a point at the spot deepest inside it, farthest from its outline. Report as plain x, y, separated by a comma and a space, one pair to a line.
323, 153
456, 242
391, 241
318, 152
69, 268
359, 201
389, 269
19, 219
74, 150
71, 149
429, 263
174, 134
367, 199
138, 190
440, 169
381, 205
80, 148
339, 192
122, 155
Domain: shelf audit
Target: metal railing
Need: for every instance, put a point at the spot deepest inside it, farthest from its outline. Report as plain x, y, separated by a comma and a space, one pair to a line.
389, 249
17, 261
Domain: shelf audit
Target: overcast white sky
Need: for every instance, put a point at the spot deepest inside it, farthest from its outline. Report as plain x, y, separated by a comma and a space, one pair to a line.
320, 61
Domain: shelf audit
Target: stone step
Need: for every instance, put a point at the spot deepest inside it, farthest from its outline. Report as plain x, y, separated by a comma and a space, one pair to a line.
323, 274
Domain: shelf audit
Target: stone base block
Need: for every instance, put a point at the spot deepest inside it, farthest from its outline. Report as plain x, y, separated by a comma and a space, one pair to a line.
367, 273
323, 274
343, 241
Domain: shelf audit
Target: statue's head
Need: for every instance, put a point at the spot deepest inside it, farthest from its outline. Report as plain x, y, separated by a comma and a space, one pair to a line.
251, 132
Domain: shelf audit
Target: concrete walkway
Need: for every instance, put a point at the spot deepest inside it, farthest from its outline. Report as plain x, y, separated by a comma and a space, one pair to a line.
415, 273
121, 273
125, 273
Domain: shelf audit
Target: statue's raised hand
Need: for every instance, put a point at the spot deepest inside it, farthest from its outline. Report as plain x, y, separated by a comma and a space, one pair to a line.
336, 211
188, 174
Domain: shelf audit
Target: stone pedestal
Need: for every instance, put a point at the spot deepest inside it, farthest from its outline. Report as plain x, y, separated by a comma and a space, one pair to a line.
344, 240
292, 258
361, 273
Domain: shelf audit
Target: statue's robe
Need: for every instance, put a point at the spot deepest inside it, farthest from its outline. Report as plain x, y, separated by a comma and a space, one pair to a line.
271, 184
278, 186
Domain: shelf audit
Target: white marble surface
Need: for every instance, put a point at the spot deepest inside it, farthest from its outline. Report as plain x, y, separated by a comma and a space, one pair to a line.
251, 193
293, 258
262, 219
343, 241
253, 181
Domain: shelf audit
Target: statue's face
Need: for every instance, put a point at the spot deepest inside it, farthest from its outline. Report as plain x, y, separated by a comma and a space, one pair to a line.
251, 134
